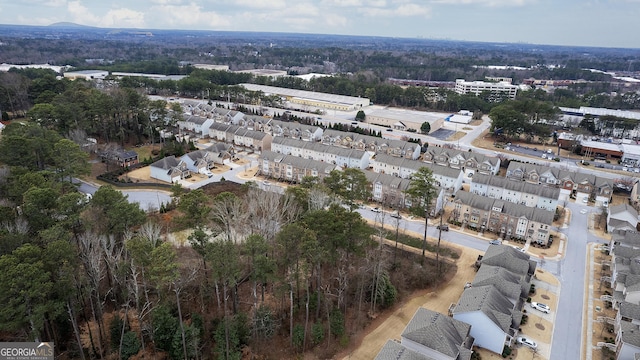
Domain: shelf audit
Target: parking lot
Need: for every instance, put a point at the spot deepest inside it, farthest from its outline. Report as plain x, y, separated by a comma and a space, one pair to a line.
442, 134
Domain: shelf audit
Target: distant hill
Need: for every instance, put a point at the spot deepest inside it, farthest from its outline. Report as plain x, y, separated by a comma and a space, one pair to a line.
65, 24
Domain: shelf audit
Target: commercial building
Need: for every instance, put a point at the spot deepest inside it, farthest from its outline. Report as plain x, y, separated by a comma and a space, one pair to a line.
211, 67
403, 119
86, 74
311, 98
497, 89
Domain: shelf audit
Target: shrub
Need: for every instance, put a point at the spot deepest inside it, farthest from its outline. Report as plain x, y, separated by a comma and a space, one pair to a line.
317, 333
130, 345
506, 351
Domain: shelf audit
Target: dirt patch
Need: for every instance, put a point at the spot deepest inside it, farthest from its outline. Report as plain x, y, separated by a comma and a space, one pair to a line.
457, 136
545, 296
391, 325
539, 326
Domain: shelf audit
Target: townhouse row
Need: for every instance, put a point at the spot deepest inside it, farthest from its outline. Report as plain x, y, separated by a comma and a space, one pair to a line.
625, 285
488, 314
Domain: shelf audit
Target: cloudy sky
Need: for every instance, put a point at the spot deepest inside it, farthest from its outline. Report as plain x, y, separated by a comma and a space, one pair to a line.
610, 23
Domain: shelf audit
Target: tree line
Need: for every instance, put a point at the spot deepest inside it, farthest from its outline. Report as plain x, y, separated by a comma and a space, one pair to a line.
100, 277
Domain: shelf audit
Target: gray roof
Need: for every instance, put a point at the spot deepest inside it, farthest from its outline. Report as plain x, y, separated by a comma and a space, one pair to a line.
487, 299
508, 283
516, 210
559, 174
630, 333
367, 139
219, 147
166, 163
292, 125
440, 170
509, 258
319, 147
196, 119
626, 238
256, 135
298, 162
395, 351
466, 155
439, 332
522, 186
630, 310
386, 179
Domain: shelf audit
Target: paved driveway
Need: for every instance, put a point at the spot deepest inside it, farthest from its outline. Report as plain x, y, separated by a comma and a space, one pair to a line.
442, 134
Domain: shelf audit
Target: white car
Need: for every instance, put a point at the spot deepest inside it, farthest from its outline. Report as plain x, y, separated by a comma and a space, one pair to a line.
519, 249
376, 209
527, 342
206, 172
541, 307
583, 211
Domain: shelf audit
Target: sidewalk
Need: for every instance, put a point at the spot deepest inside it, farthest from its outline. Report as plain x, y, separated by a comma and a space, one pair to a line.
597, 315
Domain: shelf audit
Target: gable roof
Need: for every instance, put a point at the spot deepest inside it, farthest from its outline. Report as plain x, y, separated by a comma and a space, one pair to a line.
542, 216
392, 350
509, 258
438, 332
630, 333
487, 299
166, 163
508, 283
629, 310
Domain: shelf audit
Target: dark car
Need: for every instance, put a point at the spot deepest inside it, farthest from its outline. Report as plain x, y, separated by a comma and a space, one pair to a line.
443, 227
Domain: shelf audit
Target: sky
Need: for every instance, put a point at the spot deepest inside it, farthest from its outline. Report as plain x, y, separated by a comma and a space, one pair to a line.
606, 23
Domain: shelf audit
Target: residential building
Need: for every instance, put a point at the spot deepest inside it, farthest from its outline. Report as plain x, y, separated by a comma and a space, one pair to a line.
287, 129
206, 159
373, 144
494, 319
508, 220
450, 179
169, 169
345, 158
625, 274
627, 329
627, 341
292, 168
195, 125
518, 192
393, 350
390, 190
123, 158
493, 304
510, 259
582, 187
438, 336
240, 137
469, 162
622, 217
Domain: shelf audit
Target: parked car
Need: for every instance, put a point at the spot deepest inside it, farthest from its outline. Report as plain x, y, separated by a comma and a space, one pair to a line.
519, 249
527, 342
396, 215
443, 227
495, 242
541, 307
376, 209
